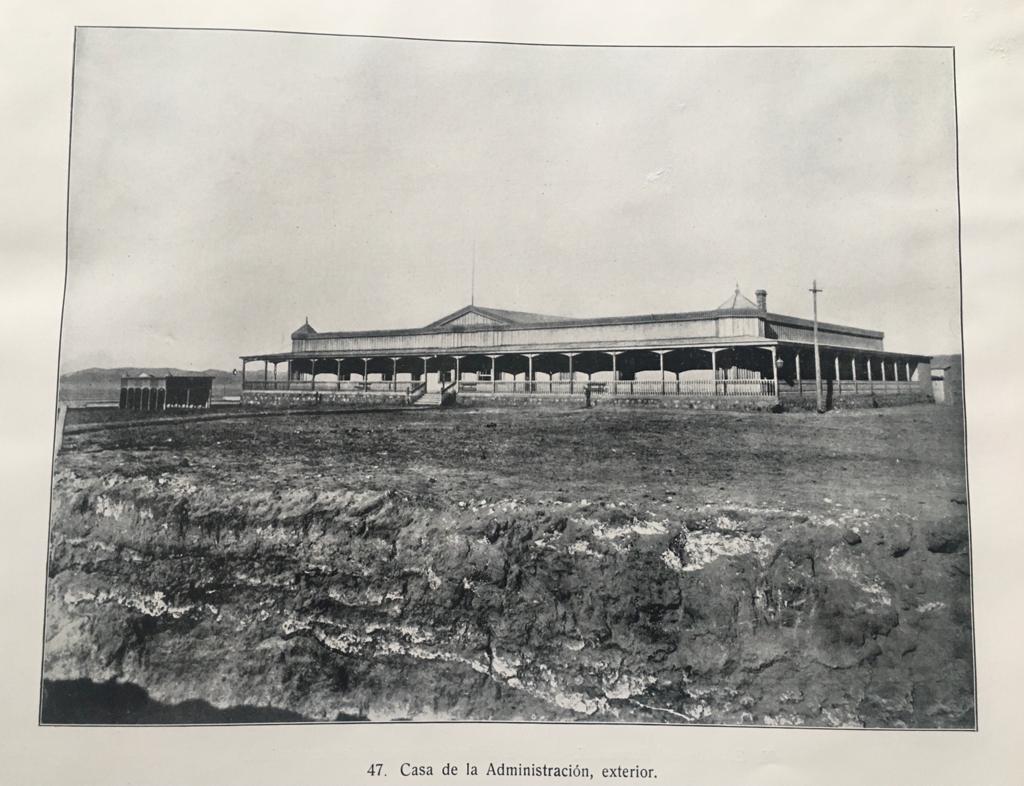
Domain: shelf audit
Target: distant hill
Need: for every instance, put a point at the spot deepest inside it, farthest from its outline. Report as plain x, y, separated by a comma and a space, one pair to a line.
104, 384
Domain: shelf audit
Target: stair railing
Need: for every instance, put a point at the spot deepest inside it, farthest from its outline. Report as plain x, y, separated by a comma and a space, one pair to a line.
448, 393
417, 390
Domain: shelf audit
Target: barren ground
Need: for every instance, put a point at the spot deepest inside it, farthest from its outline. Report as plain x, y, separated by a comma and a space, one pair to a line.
655, 566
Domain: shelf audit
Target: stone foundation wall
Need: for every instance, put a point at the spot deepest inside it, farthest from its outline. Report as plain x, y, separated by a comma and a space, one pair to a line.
487, 399
292, 399
738, 403
858, 401
301, 399
729, 403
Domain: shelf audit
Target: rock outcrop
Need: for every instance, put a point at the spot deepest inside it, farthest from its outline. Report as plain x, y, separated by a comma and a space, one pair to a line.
327, 602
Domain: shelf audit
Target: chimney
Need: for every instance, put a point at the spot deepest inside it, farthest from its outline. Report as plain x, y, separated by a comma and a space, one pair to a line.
762, 300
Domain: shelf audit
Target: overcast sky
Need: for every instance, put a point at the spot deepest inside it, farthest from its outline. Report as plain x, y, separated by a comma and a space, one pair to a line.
226, 185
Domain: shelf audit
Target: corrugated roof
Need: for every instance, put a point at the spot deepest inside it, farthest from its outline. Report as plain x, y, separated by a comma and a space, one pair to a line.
581, 322
504, 316
522, 317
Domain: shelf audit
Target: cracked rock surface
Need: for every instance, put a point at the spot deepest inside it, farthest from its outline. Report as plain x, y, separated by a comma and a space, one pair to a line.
575, 565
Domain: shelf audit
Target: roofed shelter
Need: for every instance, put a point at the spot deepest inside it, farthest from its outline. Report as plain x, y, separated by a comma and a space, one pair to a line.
149, 393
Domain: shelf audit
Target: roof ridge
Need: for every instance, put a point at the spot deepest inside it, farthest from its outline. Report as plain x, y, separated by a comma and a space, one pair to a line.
509, 311
504, 315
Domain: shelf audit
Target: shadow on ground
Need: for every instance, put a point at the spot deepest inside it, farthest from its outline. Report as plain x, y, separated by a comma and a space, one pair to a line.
87, 702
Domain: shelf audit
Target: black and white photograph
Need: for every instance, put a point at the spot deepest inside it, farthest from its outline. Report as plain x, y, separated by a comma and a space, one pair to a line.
424, 380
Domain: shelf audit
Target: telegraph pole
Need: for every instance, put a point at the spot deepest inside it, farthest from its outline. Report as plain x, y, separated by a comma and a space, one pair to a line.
817, 355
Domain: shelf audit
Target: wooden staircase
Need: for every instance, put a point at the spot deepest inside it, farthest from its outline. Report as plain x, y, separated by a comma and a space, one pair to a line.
428, 400
419, 396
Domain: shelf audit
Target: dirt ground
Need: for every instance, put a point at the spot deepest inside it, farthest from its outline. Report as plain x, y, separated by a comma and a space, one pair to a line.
606, 564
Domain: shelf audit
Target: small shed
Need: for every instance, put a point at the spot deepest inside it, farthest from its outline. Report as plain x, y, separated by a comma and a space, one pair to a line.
947, 379
150, 393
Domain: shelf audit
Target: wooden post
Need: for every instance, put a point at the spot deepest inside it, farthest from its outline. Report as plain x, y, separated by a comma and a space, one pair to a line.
775, 372
571, 385
243, 374
714, 370
312, 374
799, 380
394, 373
661, 366
458, 371
817, 352
494, 386
529, 374
265, 373
615, 373
871, 383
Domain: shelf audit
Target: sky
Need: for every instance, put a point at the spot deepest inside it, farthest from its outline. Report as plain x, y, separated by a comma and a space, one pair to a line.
227, 185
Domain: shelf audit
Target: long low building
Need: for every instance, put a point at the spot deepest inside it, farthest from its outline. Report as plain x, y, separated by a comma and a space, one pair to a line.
153, 393
740, 349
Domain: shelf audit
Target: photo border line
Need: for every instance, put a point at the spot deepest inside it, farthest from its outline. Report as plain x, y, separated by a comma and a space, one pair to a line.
581, 723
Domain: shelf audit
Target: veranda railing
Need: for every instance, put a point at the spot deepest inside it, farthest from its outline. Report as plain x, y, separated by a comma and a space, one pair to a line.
351, 386
632, 387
